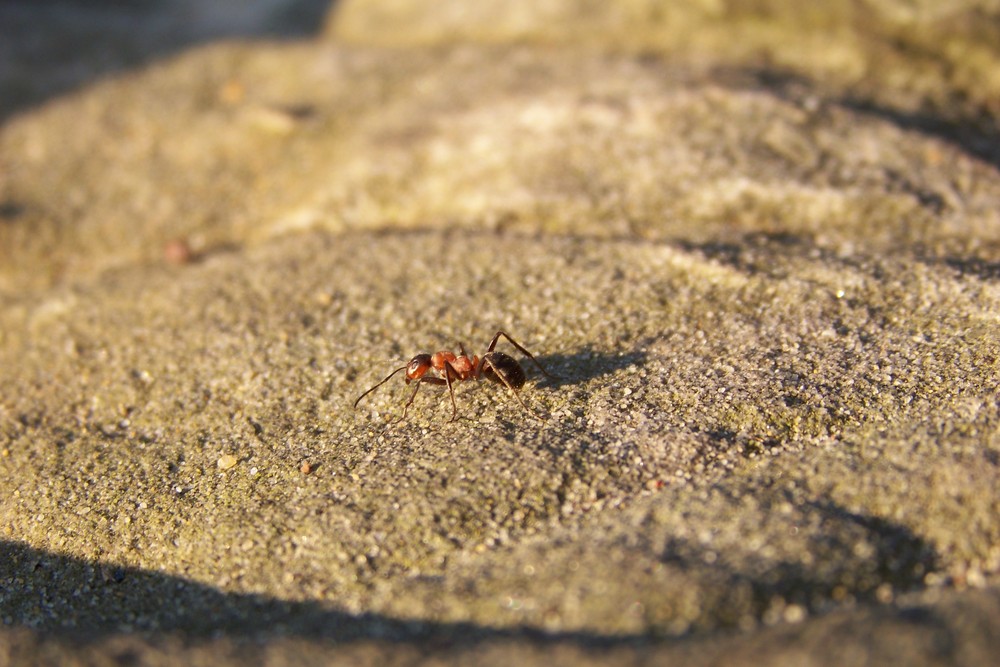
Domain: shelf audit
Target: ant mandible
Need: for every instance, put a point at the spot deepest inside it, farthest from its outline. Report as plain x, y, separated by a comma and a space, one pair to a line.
495, 366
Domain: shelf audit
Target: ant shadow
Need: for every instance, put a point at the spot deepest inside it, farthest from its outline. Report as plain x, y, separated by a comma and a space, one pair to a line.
568, 370
585, 365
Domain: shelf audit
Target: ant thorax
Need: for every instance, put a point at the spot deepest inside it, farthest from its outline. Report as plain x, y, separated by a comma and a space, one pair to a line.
455, 366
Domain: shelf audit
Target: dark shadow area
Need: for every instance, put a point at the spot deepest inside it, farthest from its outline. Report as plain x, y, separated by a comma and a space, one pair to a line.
900, 557
9, 210
583, 366
974, 132
70, 598
83, 601
977, 135
50, 47
859, 554
970, 266
753, 252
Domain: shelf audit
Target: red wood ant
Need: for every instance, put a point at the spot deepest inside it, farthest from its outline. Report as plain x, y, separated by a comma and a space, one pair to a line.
495, 366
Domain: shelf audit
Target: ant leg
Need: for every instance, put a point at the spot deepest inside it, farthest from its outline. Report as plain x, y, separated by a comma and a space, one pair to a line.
493, 344
449, 371
503, 379
409, 402
406, 408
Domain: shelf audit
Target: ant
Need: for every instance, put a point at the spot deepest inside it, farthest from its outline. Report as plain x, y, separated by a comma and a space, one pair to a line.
495, 366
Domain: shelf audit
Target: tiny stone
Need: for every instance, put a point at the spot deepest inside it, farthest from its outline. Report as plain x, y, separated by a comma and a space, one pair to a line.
232, 92
226, 461
177, 251
273, 120
306, 468
794, 613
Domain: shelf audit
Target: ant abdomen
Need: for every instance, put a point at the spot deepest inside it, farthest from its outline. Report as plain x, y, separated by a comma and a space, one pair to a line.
498, 363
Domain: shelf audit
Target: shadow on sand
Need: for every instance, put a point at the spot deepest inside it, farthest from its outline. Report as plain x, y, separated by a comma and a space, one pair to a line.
49, 48
83, 601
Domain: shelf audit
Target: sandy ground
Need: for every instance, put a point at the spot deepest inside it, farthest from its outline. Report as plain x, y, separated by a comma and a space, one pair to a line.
764, 275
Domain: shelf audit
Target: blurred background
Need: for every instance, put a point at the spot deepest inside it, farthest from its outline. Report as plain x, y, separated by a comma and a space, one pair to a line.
48, 47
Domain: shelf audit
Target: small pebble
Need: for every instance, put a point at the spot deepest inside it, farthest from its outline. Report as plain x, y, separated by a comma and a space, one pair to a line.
226, 461
177, 251
232, 92
274, 120
793, 613
306, 468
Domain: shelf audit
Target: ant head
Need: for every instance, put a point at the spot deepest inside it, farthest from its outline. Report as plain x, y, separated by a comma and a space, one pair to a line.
417, 367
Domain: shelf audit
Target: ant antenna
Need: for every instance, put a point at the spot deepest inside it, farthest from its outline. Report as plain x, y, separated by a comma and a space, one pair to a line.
387, 378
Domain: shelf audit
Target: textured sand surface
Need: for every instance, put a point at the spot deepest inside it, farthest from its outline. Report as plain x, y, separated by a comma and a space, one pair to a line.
766, 275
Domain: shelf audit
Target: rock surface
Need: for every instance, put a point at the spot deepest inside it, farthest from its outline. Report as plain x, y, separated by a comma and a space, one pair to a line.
759, 246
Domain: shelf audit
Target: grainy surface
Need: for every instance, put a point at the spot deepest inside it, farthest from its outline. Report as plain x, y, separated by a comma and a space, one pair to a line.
770, 297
